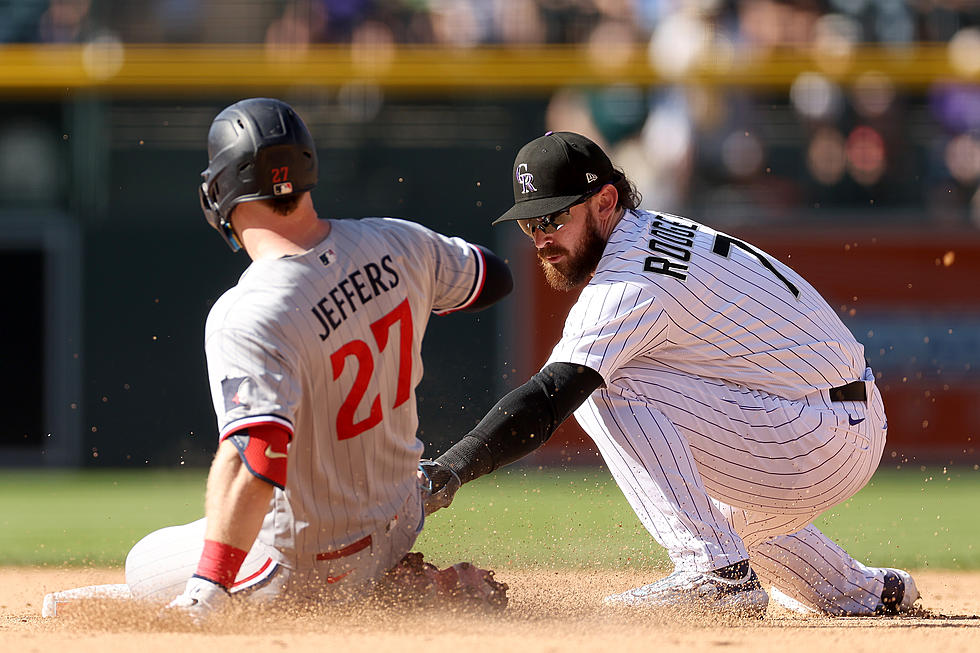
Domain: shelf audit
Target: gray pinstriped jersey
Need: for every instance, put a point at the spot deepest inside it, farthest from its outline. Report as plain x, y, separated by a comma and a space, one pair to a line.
327, 344
672, 294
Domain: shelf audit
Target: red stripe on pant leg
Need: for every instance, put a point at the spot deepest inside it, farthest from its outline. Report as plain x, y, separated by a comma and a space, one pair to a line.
258, 573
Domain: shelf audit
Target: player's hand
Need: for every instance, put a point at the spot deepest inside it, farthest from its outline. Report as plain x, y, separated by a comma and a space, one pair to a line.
201, 599
438, 484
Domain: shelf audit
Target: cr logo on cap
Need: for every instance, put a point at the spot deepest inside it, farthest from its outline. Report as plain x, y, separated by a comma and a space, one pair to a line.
524, 178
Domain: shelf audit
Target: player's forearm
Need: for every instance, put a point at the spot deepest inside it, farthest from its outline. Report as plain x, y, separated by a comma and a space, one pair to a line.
522, 421
236, 501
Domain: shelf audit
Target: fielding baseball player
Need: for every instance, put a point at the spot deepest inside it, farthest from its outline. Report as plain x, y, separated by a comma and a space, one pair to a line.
728, 400
313, 360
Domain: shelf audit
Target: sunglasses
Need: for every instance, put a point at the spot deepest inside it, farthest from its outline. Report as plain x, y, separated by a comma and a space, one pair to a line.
549, 224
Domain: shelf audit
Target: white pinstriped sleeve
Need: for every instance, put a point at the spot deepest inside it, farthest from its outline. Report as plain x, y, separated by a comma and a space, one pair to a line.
610, 324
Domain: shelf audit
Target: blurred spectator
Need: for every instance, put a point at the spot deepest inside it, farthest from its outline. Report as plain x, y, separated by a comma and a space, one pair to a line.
63, 21
460, 23
302, 22
29, 21
518, 22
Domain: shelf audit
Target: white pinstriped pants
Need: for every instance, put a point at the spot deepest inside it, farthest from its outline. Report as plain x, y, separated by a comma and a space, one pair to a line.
718, 473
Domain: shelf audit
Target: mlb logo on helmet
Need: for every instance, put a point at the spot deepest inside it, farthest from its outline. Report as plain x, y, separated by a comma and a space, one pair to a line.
282, 188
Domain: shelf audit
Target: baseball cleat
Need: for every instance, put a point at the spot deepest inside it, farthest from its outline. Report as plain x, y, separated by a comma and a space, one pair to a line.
49, 608
899, 593
55, 602
711, 591
897, 598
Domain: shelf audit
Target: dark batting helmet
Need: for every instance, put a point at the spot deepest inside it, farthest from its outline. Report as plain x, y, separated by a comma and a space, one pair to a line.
258, 149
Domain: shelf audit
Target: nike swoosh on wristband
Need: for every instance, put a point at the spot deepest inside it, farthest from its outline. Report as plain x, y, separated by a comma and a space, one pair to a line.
853, 422
269, 453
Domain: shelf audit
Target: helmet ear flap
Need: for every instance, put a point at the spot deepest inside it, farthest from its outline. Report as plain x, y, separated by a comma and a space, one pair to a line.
215, 219
208, 205
229, 236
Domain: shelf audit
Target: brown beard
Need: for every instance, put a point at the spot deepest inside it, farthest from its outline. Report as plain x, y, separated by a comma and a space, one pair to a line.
577, 269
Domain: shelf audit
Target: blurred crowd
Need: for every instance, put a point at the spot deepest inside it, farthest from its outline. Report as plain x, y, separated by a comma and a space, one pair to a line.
818, 144
764, 23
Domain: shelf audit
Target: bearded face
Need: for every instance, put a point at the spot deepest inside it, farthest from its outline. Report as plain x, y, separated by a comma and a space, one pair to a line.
578, 264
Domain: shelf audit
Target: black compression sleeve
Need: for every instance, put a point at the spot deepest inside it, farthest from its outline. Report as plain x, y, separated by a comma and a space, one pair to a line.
497, 282
523, 420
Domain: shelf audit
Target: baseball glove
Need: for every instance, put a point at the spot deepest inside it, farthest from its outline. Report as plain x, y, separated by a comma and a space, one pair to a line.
462, 586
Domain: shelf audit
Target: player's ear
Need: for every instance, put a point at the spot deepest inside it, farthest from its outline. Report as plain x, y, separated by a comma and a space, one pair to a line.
606, 201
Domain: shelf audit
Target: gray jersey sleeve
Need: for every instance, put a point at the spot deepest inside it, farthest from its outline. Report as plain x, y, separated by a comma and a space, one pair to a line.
460, 273
251, 381
457, 267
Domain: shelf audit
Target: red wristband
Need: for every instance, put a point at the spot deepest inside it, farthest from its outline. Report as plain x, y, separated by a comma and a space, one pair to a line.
220, 563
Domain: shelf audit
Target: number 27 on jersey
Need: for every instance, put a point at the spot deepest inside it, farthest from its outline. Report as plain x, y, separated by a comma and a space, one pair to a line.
364, 357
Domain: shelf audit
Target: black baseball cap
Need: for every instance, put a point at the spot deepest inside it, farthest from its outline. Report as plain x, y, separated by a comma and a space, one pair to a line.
553, 172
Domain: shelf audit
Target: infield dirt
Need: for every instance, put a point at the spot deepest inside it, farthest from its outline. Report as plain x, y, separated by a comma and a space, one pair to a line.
548, 611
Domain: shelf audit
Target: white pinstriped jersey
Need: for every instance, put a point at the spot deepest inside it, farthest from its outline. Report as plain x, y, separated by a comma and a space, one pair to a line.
672, 294
327, 344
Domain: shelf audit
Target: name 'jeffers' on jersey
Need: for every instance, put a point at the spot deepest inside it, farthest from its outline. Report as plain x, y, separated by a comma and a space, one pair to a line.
671, 293
363, 284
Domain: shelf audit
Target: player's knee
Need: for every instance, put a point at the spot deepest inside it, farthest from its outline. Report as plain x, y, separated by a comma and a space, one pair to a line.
163, 560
